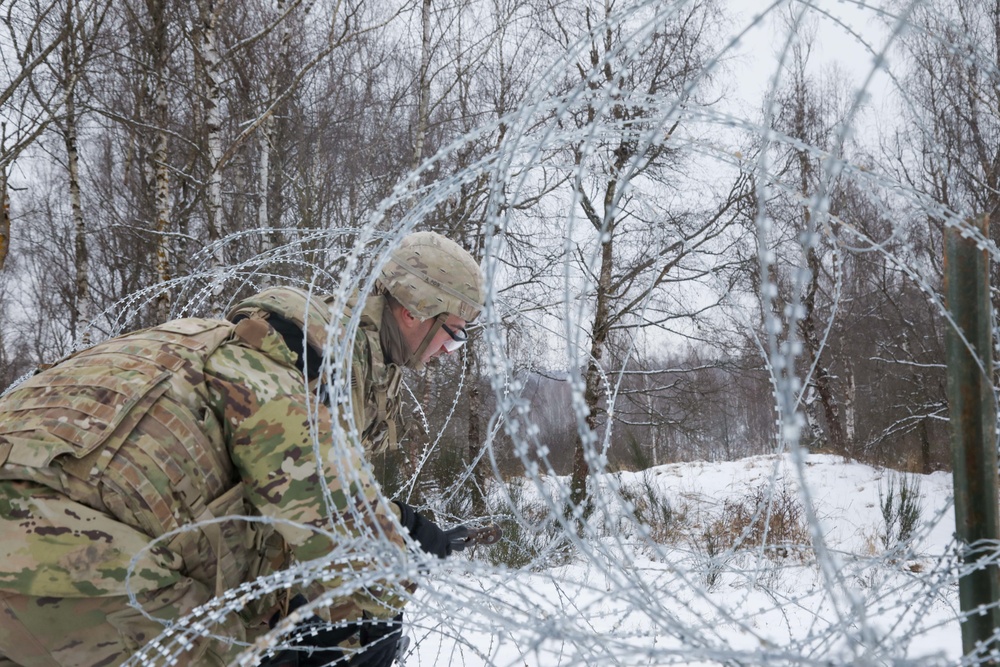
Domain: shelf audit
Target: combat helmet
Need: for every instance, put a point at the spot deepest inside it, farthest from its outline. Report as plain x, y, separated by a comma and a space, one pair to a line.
291, 312
431, 275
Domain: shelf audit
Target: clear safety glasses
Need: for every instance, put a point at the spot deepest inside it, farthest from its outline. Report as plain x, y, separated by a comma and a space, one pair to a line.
457, 340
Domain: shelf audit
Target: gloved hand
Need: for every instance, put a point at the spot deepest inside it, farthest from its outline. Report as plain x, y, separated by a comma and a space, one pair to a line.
312, 643
458, 537
432, 539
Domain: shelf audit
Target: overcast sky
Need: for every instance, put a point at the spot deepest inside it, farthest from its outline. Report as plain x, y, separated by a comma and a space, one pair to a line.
834, 46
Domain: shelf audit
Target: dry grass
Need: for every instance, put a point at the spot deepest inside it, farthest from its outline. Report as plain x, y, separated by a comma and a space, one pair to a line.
767, 517
664, 521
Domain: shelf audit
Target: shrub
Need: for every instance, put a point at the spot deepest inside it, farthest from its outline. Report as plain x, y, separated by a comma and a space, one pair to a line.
714, 558
653, 510
900, 504
531, 536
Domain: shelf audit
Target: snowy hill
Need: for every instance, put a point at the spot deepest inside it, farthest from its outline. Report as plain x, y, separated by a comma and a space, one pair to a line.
618, 596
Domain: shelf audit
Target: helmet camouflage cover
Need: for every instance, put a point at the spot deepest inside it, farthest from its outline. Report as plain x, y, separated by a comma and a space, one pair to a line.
430, 274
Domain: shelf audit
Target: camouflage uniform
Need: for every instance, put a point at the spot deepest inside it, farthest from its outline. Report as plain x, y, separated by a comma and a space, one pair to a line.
376, 382
139, 436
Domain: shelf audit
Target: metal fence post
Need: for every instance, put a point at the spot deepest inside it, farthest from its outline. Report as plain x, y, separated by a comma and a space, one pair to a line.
973, 438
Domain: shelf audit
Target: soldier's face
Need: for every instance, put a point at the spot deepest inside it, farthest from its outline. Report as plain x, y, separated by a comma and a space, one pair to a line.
443, 341
414, 331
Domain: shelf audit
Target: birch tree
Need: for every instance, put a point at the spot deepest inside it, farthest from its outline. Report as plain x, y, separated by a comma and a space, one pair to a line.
638, 240
949, 148
32, 33
208, 65
84, 25
4, 205
155, 42
809, 117
82, 22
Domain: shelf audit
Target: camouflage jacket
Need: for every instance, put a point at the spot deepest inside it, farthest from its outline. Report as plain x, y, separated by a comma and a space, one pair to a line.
375, 383
164, 429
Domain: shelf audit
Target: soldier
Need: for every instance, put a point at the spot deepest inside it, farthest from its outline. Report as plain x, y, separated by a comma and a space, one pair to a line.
429, 289
155, 444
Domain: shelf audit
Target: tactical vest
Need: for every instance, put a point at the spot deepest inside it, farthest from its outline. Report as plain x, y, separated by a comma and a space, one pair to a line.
384, 384
126, 431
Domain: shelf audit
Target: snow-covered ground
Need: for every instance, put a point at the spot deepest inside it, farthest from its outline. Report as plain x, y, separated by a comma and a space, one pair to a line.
617, 597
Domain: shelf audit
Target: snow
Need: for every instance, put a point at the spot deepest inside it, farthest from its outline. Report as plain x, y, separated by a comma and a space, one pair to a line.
621, 599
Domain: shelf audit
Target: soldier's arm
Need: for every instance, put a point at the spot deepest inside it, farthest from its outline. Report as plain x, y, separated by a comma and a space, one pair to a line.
273, 425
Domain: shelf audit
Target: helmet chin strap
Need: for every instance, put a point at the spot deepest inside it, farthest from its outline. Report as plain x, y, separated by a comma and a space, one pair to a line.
415, 361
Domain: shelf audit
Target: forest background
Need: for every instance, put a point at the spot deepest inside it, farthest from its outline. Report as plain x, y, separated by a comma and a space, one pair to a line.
666, 257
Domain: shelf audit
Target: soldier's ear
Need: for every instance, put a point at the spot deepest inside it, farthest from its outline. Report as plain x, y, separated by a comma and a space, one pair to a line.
407, 320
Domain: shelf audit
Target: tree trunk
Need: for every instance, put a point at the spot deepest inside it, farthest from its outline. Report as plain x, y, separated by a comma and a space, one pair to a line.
926, 466
208, 53
266, 143
4, 217
475, 430
79, 326
81, 307
821, 376
592, 381
810, 336
423, 85
654, 428
263, 180
850, 411
161, 172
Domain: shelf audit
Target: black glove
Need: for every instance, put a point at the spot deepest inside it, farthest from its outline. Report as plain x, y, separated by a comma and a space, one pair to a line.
458, 538
379, 643
313, 643
432, 539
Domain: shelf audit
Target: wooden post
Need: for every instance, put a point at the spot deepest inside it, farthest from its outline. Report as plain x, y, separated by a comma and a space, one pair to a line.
973, 439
